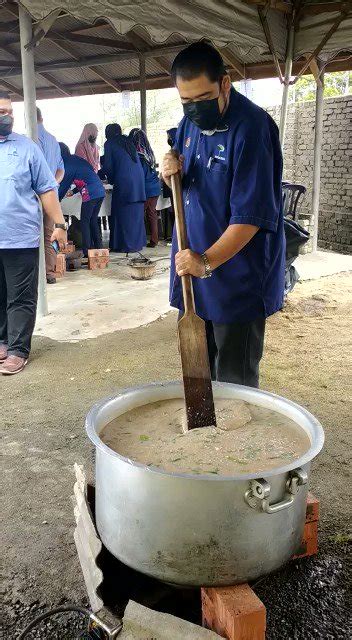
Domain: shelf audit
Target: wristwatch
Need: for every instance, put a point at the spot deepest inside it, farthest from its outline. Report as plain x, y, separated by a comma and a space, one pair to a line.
208, 272
61, 225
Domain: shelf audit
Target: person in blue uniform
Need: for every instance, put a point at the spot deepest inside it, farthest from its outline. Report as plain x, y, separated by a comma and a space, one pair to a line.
231, 163
124, 171
152, 181
80, 173
26, 183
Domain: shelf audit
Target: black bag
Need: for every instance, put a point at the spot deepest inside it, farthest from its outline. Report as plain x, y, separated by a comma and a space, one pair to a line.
296, 237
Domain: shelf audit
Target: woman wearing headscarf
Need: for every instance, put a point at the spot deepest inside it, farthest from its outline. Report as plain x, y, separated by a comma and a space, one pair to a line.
87, 147
152, 182
124, 171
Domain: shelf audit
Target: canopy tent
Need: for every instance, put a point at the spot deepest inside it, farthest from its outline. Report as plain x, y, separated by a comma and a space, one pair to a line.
88, 46
55, 48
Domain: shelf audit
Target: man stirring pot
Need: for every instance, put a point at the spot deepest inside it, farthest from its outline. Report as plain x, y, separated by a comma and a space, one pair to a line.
231, 164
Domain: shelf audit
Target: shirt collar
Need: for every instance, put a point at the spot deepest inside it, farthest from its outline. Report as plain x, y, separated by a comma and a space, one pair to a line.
11, 136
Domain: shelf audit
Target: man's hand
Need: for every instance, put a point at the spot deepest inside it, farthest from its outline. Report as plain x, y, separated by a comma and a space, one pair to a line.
188, 261
171, 165
60, 235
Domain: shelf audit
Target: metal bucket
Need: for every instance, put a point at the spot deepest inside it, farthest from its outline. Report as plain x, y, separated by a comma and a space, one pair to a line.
202, 530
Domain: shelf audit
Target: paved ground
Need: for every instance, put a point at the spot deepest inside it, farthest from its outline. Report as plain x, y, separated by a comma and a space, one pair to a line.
306, 359
322, 263
86, 304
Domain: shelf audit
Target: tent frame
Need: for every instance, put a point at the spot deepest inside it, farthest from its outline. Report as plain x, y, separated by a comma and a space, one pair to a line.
30, 37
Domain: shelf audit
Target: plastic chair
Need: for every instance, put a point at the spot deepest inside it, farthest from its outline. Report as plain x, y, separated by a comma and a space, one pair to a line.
291, 194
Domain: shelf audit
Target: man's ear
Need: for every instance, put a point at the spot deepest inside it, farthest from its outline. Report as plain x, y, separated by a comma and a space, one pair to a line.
226, 84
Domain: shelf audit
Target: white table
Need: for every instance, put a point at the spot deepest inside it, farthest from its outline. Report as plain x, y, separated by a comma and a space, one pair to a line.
72, 206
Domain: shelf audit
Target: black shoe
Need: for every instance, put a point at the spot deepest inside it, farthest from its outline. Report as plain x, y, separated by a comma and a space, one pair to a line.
151, 245
51, 280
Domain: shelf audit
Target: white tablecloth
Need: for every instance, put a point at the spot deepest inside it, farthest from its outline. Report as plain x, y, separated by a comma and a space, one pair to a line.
72, 206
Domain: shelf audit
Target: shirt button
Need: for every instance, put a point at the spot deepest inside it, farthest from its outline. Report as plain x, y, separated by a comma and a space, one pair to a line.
198, 156
193, 179
187, 201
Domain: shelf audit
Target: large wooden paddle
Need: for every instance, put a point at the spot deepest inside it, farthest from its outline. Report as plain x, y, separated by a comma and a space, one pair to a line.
192, 336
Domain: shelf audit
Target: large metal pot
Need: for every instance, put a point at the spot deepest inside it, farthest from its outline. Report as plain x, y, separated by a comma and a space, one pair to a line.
200, 530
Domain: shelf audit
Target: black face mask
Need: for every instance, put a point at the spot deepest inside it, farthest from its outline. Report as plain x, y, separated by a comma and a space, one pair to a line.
6, 125
205, 114
91, 139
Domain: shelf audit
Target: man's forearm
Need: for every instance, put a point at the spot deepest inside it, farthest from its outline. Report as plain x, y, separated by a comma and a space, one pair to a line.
52, 206
231, 242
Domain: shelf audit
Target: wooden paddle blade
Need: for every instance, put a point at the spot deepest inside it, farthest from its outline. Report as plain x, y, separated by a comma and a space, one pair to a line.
196, 372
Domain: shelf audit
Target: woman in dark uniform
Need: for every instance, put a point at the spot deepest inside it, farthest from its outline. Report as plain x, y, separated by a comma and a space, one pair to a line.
124, 171
152, 182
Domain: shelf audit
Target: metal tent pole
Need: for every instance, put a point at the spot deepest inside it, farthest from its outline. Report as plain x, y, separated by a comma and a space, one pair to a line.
143, 92
318, 136
29, 95
287, 77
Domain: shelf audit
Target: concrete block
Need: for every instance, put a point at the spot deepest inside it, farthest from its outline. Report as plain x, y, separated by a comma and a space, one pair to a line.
141, 623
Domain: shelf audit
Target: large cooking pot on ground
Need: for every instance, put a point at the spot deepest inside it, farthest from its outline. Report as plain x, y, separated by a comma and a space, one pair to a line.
200, 530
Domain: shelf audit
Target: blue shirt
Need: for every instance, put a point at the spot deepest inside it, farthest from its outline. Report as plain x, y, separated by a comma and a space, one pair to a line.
51, 149
80, 173
23, 174
152, 182
234, 176
124, 173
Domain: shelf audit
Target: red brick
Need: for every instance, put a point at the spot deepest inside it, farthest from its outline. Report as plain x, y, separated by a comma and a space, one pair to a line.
98, 253
60, 268
312, 513
235, 613
309, 544
97, 263
70, 248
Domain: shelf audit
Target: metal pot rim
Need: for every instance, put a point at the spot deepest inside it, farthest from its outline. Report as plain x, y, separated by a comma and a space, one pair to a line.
248, 394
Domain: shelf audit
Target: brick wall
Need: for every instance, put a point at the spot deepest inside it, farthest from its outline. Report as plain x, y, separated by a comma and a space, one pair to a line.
335, 214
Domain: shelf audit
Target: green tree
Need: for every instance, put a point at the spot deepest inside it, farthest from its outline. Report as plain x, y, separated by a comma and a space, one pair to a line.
338, 83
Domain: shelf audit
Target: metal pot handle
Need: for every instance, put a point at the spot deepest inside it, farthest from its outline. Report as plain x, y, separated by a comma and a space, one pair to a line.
260, 490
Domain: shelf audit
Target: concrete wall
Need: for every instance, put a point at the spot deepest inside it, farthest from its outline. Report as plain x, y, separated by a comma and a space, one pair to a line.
335, 216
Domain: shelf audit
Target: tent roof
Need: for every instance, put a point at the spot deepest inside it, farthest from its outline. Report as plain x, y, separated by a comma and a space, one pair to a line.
94, 47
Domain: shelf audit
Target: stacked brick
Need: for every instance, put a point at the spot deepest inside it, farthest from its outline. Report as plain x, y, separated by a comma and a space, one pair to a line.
98, 258
236, 613
60, 268
335, 214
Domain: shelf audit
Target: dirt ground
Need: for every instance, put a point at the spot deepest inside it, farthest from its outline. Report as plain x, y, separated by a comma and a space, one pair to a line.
307, 359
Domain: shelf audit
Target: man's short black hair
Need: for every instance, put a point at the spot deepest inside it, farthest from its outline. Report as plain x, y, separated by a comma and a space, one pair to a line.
198, 59
4, 95
39, 115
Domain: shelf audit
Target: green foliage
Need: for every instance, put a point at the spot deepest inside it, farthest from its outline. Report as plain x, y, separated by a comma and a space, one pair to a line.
338, 83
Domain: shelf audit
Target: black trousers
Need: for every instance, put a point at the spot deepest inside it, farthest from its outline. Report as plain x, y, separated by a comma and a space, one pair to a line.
18, 298
235, 351
91, 232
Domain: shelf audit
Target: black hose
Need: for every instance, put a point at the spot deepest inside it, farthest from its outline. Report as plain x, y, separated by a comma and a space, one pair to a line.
52, 612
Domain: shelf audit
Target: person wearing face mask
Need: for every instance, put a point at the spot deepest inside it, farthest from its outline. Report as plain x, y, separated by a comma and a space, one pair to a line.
87, 147
51, 151
231, 164
24, 175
